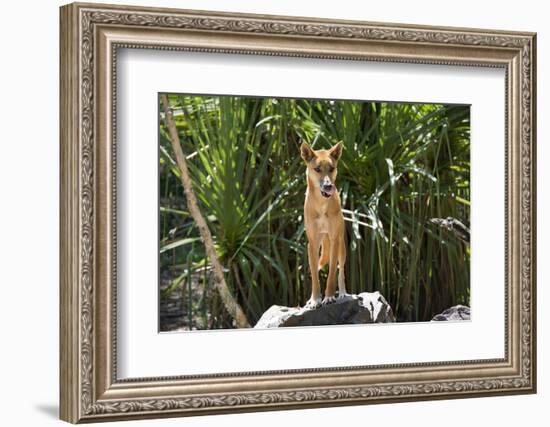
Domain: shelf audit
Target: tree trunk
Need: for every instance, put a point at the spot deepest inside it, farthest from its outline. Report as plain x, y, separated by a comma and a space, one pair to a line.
231, 305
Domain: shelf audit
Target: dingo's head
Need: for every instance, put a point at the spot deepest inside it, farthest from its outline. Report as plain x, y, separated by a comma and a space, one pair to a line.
321, 167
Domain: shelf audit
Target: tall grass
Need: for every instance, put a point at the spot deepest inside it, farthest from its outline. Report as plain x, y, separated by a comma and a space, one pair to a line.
402, 165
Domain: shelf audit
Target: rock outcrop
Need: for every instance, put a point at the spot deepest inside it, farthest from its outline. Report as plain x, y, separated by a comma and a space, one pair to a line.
457, 312
365, 307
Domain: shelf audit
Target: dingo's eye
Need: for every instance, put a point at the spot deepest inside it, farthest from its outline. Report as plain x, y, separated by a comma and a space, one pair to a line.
331, 169
317, 169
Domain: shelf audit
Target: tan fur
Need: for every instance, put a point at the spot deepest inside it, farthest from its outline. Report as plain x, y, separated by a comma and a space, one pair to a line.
324, 223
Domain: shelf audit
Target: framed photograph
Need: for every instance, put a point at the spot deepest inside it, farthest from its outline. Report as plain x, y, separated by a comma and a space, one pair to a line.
267, 212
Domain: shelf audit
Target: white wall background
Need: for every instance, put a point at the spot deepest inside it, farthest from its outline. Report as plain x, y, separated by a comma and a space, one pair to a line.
29, 171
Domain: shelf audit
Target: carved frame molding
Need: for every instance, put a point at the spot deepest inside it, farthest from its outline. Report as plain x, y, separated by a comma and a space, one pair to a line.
90, 37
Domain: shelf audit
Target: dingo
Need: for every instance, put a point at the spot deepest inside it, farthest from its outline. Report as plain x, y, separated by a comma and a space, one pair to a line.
324, 222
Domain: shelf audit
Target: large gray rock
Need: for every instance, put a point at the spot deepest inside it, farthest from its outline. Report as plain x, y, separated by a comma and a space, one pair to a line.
458, 312
356, 309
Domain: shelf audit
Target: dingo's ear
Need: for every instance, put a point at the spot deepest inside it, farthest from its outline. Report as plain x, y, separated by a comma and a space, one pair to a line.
307, 152
336, 151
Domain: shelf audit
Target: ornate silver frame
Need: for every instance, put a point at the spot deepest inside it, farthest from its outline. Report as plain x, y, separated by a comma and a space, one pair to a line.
90, 36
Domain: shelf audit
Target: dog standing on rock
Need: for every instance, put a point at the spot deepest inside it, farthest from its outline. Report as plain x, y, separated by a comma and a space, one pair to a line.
324, 223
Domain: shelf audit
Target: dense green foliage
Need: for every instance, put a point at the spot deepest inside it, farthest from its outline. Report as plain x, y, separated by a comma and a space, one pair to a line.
402, 165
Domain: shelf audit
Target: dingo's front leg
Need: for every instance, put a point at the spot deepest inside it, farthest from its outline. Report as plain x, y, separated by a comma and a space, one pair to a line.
313, 257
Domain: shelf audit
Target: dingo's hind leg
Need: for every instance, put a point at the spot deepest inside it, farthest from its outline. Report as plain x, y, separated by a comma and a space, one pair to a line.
341, 269
330, 291
325, 252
